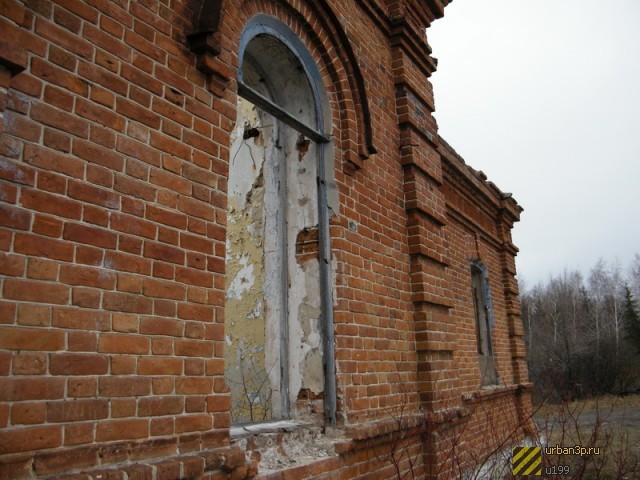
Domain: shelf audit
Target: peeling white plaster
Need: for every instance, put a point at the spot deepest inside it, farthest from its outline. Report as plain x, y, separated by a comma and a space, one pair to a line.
272, 197
243, 281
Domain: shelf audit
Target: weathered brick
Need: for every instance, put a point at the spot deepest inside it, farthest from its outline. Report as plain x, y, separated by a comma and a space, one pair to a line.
82, 342
47, 463
21, 127
120, 343
57, 140
48, 226
194, 423
161, 326
64, 38
107, 42
90, 235
194, 385
137, 113
12, 265
172, 182
166, 253
78, 364
22, 389
124, 323
124, 386
77, 410
139, 150
102, 77
54, 204
97, 196
34, 315
139, 77
123, 365
28, 413
15, 338
97, 154
133, 225
194, 277
29, 363
51, 160
41, 292
200, 175
43, 247
78, 434
16, 466
58, 98
85, 297
218, 403
122, 302
159, 366
15, 172
201, 313
80, 319
82, 387
166, 217
95, 215
62, 78
157, 406
29, 439
60, 119
162, 289
88, 277
87, 255
122, 430
127, 263
194, 348
134, 187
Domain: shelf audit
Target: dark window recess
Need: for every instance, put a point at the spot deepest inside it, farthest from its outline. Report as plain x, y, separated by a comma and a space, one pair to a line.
484, 322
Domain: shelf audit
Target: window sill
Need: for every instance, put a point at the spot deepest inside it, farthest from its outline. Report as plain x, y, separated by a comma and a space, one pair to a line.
487, 392
282, 444
280, 426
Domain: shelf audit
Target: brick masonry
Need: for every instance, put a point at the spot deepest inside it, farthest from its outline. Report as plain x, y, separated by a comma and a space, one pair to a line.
115, 121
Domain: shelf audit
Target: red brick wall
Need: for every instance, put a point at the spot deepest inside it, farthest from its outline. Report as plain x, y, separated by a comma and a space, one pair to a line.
113, 189
115, 148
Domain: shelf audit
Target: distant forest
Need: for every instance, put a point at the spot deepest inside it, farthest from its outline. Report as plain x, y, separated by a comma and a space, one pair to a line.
583, 333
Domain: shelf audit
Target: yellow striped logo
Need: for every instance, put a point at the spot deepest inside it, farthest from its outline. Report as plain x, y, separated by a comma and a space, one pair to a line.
527, 461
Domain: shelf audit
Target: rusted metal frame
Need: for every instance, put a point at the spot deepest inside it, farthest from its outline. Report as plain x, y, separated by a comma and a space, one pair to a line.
326, 289
278, 112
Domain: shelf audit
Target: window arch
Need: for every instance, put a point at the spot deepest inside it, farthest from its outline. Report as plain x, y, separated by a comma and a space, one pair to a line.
278, 315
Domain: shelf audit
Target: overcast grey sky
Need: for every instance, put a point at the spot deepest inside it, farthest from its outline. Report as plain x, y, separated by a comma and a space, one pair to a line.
544, 97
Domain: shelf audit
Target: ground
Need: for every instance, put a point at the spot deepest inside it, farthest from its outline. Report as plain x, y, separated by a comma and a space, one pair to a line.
610, 424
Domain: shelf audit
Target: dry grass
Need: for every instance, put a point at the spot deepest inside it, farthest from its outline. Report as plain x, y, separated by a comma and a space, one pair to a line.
610, 423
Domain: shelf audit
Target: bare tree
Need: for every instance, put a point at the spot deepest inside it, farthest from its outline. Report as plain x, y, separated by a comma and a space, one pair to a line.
577, 334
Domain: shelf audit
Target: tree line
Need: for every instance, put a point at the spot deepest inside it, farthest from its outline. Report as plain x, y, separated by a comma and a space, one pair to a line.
583, 333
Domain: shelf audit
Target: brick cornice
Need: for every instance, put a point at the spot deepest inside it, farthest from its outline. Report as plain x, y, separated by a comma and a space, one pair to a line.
477, 187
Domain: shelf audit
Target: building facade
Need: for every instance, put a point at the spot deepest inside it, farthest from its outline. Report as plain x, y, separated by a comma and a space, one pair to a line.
234, 246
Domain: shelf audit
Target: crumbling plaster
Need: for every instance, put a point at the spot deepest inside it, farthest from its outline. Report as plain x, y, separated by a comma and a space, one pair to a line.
273, 302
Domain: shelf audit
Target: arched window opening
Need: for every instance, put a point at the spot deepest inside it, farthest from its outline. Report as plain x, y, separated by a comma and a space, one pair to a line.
279, 360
